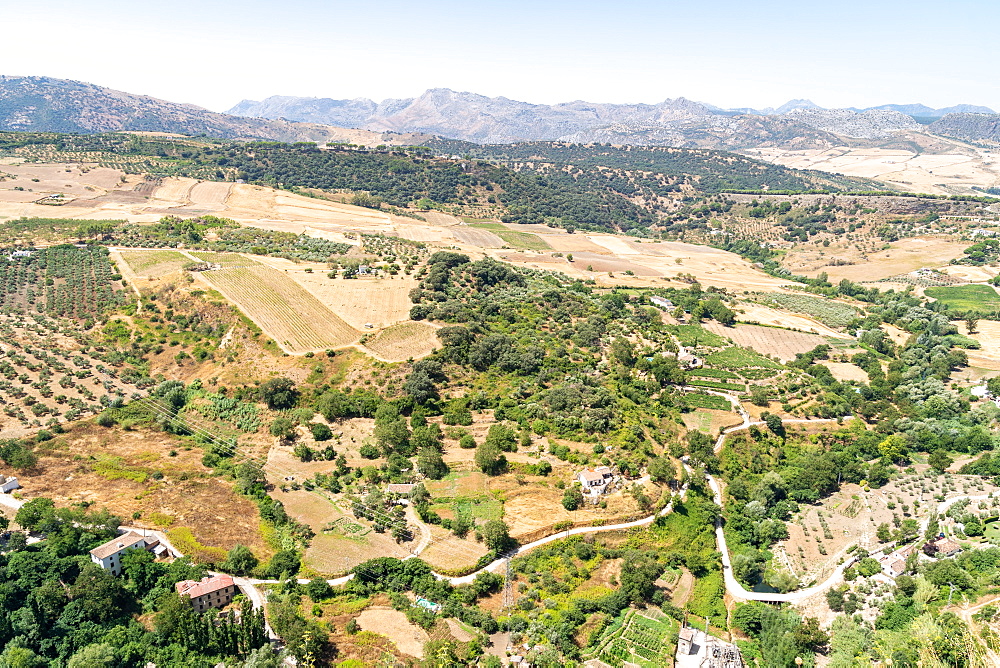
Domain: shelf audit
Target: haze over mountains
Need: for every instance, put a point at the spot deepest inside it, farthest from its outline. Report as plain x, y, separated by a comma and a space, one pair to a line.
482, 119
48, 104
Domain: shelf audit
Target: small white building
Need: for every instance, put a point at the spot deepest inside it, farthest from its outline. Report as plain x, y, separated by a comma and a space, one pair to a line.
663, 303
8, 484
690, 361
109, 555
594, 482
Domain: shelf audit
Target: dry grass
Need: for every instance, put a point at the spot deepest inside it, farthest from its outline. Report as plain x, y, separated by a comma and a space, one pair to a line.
765, 315
407, 637
846, 371
477, 238
988, 336
154, 263
333, 553
104, 467
710, 421
407, 340
380, 302
902, 257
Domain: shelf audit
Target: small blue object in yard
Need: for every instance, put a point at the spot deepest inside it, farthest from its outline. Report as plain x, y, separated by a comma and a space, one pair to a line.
428, 605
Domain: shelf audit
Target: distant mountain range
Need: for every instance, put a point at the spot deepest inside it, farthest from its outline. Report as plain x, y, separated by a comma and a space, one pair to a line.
677, 122
60, 105
919, 112
47, 104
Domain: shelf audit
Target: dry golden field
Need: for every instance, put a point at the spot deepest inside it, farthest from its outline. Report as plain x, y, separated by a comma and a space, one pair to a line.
954, 171
153, 263
904, 256
407, 340
283, 309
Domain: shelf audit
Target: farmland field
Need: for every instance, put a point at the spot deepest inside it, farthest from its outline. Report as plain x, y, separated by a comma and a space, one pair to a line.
696, 335
289, 314
966, 297
477, 237
769, 340
403, 341
827, 311
380, 302
154, 263
513, 238
740, 358
733, 387
638, 640
709, 401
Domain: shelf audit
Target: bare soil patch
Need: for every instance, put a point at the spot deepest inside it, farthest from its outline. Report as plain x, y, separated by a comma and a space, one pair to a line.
409, 638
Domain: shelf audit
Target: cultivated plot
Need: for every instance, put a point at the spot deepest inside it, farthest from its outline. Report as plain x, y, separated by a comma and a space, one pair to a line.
768, 340
154, 263
404, 341
286, 312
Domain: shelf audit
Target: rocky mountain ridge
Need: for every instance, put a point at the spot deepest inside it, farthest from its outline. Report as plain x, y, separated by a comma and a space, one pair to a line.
62, 105
673, 122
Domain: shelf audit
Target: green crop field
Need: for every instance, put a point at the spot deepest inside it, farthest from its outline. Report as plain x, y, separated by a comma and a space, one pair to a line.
710, 401
518, 240
696, 335
966, 297
827, 311
636, 639
715, 385
740, 358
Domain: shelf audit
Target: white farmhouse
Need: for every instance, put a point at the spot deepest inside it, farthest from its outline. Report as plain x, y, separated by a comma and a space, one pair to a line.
109, 555
594, 482
8, 484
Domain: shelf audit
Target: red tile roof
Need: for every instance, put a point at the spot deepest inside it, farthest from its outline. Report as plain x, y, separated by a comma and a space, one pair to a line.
204, 586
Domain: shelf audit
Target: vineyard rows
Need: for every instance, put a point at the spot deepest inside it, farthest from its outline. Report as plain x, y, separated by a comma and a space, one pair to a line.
827, 311
281, 307
638, 640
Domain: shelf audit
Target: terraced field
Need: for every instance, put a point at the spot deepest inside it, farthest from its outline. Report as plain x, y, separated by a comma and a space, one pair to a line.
282, 308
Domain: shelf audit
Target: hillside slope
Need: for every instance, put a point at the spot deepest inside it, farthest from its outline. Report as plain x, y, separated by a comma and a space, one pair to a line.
969, 127
60, 105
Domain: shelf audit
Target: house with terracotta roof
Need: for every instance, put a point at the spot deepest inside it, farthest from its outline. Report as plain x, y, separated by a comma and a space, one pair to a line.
216, 591
109, 555
942, 547
594, 482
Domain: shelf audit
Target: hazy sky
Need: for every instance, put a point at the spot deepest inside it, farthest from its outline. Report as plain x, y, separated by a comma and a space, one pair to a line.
729, 53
